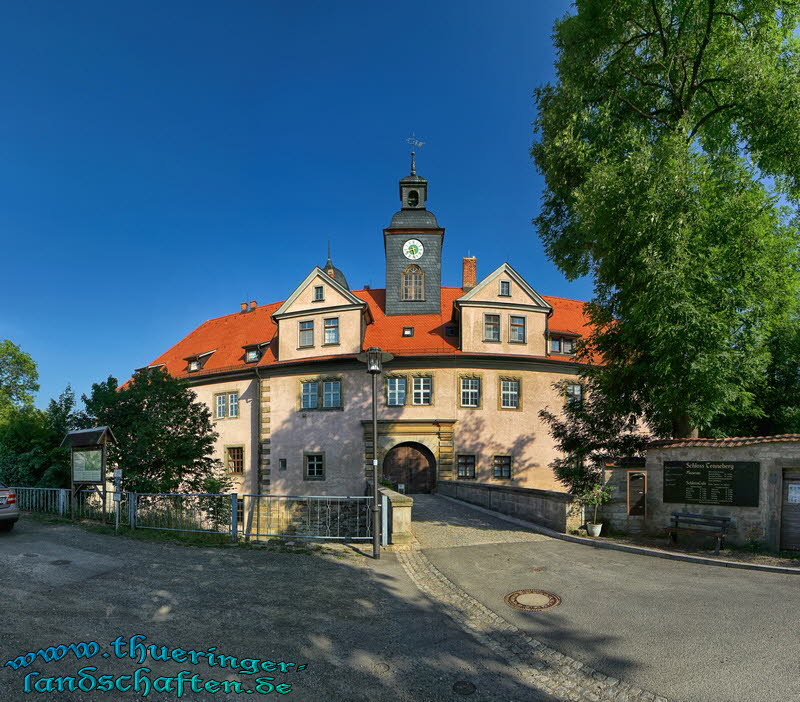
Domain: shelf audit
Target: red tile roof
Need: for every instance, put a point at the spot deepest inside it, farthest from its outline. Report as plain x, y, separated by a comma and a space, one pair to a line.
230, 333
729, 442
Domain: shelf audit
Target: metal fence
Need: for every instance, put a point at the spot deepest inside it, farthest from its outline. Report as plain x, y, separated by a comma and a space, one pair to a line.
44, 500
253, 517
306, 517
198, 513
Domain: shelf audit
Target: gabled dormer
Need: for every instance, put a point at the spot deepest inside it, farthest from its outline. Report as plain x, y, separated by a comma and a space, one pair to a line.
196, 362
320, 318
501, 314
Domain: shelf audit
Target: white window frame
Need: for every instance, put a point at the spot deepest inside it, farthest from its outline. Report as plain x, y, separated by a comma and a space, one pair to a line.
309, 395
252, 355
331, 394
507, 393
331, 325
422, 390
572, 394
233, 404
221, 405
473, 392
505, 288
395, 392
319, 293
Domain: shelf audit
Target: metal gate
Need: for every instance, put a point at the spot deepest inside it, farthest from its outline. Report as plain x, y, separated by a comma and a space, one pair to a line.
306, 517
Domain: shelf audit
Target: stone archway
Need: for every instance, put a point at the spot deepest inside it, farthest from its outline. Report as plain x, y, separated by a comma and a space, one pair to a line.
411, 464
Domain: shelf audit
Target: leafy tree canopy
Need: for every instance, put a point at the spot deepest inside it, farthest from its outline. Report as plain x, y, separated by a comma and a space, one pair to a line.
670, 147
166, 437
30, 443
18, 377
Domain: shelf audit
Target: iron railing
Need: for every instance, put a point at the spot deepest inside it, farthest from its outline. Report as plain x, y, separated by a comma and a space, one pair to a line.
44, 500
306, 517
197, 513
254, 517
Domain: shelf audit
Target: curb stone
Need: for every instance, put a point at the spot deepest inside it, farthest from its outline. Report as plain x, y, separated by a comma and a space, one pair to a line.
561, 677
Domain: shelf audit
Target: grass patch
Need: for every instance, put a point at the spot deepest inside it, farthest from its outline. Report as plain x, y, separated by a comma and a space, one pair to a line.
175, 537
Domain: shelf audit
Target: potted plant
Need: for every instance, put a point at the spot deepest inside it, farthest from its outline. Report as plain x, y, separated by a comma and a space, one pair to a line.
596, 495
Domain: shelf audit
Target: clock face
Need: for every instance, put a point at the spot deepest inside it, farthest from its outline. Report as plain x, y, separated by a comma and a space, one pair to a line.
413, 249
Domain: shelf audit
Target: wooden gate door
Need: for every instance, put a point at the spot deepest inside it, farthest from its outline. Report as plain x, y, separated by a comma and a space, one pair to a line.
790, 512
637, 491
408, 465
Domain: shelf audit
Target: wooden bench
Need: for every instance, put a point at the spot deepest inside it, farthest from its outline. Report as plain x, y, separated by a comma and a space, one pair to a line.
707, 525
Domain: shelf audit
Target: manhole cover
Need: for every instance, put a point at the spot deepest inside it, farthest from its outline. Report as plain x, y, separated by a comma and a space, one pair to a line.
464, 687
60, 562
532, 600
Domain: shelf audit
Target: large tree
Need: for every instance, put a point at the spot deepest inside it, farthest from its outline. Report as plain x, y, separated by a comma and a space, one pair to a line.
670, 148
166, 437
30, 443
18, 377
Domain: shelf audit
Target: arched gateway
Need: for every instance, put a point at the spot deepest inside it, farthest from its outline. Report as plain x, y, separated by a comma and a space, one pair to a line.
412, 465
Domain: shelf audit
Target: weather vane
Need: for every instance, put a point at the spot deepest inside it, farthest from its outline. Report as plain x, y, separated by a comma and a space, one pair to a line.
415, 144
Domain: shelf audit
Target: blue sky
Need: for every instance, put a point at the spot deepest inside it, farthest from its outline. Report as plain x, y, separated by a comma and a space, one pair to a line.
164, 161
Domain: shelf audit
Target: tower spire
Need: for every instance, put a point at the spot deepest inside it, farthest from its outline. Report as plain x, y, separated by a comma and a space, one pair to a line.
414, 143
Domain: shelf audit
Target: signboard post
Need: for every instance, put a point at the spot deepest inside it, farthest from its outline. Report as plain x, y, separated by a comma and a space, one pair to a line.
724, 483
88, 461
117, 496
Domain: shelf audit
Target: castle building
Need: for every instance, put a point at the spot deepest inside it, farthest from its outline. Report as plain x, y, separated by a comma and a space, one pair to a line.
472, 368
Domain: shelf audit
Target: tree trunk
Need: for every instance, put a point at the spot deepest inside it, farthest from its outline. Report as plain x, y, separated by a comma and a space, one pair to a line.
682, 428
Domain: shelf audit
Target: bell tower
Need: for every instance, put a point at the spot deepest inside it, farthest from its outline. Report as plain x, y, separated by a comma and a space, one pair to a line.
413, 247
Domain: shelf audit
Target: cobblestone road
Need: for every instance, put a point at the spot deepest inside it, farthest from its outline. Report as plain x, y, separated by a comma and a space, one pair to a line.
439, 523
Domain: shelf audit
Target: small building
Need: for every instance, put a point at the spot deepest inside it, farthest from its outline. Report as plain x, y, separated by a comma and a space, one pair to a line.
754, 480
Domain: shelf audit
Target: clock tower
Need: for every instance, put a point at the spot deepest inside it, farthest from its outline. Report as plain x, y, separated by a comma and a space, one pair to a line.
413, 247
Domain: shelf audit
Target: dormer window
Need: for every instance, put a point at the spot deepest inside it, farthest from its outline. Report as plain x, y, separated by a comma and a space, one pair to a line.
408, 331
505, 288
196, 363
251, 355
319, 293
562, 345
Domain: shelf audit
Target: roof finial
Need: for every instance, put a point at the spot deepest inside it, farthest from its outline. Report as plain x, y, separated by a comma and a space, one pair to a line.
415, 143
329, 249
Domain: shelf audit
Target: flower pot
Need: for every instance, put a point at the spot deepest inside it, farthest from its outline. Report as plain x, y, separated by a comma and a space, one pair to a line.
593, 529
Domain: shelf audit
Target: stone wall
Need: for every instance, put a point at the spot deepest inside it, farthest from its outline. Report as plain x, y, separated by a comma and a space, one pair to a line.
750, 524
556, 510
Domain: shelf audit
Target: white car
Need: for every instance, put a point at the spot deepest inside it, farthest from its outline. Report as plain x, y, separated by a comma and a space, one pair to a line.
9, 512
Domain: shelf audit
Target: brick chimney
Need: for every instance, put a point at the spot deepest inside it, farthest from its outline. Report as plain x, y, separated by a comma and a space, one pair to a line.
253, 305
469, 273
244, 307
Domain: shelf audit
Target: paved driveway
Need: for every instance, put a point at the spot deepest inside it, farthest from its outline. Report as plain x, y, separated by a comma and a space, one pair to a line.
363, 630
687, 631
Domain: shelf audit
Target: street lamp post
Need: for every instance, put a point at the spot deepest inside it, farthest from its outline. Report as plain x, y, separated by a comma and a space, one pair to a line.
375, 358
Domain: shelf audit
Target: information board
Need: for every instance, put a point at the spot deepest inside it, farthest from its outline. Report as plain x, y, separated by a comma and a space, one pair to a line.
87, 466
733, 483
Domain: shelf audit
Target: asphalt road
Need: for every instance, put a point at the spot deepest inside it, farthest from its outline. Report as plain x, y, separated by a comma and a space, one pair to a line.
688, 631
362, 629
